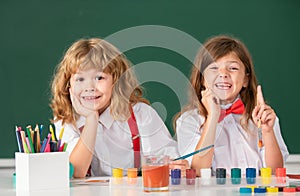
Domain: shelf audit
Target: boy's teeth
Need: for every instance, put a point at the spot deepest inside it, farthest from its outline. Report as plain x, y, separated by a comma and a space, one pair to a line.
90, 98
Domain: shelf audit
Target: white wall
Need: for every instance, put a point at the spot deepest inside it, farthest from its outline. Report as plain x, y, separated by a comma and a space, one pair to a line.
293, 164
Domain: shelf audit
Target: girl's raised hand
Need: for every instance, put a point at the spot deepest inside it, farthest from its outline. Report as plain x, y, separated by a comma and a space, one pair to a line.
263, 112
78, 107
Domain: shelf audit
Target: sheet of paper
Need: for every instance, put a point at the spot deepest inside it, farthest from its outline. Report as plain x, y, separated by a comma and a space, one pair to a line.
100, 181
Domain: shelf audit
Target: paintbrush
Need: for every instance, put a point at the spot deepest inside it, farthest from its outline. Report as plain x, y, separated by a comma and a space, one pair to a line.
193, 153
260, 142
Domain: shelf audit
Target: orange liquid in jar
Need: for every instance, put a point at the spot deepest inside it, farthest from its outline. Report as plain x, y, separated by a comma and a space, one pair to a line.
155, 176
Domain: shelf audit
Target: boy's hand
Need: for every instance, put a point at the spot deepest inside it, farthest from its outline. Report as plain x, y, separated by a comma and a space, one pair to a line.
179, 164
78, 107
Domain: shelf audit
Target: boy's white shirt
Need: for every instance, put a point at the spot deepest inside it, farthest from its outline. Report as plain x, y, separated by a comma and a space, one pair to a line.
114, 147
233, 147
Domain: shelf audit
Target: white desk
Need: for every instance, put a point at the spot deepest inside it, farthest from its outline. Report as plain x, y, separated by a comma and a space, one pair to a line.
7, 189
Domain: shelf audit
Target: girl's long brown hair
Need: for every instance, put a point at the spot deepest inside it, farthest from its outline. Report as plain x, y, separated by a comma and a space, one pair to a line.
213, 49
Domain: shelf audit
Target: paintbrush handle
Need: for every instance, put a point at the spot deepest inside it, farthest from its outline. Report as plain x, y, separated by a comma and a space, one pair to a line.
193, 153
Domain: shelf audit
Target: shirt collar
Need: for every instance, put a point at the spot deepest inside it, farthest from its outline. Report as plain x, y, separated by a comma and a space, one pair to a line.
224, 107
106, 119
80, 122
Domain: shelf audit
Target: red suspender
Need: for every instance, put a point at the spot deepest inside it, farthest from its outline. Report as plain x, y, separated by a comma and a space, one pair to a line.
135, 139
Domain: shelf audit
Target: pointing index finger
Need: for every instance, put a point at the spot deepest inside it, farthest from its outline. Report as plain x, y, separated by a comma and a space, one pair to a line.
259, 96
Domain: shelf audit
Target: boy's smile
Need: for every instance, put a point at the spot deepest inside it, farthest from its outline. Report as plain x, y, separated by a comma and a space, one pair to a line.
93, 88
90, 98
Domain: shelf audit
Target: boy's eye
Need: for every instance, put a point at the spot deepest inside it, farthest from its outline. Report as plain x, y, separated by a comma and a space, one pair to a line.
79, 79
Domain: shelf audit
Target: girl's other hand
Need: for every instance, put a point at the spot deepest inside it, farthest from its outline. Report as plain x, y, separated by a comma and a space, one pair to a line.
263, 112
179, 164
78, 107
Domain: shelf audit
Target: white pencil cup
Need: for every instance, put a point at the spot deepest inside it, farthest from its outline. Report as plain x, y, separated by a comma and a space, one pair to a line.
41, 171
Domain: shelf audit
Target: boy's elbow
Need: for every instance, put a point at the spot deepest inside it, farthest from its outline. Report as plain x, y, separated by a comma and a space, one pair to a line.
79, 174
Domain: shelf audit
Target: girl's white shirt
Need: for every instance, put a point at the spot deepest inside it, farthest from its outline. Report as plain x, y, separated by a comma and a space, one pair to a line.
233, 146
114, 147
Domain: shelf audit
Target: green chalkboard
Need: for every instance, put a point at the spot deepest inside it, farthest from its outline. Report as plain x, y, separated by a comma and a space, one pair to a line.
35, 34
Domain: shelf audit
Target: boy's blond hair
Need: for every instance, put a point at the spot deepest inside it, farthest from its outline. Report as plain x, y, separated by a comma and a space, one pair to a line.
95, 53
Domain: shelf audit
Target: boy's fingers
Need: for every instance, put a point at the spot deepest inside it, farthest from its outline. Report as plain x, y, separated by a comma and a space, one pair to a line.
180, 162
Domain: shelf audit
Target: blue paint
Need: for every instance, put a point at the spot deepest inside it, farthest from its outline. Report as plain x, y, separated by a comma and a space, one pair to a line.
260, 190
245, 190
251, 175
175, 176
